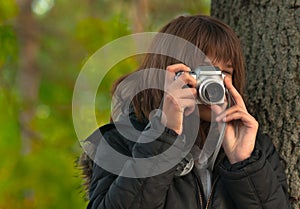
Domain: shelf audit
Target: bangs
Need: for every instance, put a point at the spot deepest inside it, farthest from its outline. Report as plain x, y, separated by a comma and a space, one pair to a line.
217, 43
214, 38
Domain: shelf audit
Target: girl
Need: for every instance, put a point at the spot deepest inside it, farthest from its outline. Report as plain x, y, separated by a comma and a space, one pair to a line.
245, 173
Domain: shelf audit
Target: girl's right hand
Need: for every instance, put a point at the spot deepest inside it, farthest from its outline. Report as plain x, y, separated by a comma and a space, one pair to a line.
178, 100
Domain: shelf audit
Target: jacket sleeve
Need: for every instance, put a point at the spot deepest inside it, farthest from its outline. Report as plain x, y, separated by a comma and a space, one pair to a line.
110, 191
259, 181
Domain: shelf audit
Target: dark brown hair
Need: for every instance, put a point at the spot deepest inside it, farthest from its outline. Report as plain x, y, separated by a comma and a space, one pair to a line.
214, 38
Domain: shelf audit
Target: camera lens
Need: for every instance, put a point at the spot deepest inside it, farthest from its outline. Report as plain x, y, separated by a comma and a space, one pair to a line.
213, 92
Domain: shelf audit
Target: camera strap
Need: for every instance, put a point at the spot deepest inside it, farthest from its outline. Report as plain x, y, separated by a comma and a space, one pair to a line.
221, 136
209, 153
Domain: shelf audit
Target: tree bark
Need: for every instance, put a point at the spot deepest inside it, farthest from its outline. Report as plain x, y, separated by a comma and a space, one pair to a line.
28, 76
270, 34
140, 15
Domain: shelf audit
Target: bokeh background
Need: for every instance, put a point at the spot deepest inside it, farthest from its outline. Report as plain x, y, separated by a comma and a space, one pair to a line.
43, 46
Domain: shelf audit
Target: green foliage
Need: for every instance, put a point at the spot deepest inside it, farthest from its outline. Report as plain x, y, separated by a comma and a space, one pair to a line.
8, 44
92, 32
47, 177
8, 9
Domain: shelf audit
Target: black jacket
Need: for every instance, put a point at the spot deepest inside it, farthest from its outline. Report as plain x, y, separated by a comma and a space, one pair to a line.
256, 183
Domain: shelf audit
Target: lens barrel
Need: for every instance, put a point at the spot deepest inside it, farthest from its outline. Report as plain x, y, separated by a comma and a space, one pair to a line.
213, 92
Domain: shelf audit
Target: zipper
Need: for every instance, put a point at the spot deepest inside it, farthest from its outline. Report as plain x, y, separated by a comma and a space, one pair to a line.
221, 157
211, 192
198, 183
199, 195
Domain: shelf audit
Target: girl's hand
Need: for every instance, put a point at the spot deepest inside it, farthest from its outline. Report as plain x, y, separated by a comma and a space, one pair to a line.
178, 100
241, 127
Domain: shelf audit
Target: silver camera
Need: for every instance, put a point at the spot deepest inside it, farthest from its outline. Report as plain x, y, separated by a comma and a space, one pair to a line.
210, 85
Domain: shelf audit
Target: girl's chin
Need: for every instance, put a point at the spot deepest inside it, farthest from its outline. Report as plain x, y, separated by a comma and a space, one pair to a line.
205, 112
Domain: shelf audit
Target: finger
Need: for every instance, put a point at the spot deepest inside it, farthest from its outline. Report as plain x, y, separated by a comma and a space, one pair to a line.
218, 109
178, 67
182, 81
187, 93
173, 69
188, 105
189, 110
230, 111
181, 102
183, 106
169, 78
188, 79
234, 93
246, 119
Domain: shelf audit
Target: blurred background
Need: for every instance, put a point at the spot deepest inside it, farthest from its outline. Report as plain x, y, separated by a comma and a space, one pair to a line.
43, 46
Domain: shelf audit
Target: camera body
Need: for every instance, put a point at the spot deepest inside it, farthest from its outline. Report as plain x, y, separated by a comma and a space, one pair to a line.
210, 84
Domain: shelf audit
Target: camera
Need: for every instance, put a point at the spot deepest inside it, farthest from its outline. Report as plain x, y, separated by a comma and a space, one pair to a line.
210, 85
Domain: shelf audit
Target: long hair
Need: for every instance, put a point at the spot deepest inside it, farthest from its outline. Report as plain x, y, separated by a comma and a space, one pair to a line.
214, 38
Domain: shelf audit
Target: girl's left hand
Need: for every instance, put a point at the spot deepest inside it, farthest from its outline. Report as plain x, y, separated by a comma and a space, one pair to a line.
241, 127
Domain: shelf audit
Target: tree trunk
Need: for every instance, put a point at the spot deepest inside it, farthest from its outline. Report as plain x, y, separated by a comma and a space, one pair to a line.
28, 76
270, 34
140, 15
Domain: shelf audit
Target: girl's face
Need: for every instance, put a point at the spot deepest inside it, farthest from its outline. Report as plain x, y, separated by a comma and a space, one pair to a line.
204, 110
